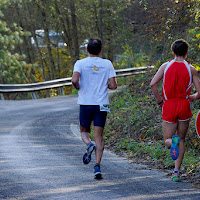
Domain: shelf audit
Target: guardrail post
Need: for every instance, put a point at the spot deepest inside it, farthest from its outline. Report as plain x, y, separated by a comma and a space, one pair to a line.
62, 91
33, 95
1, 96
125, 79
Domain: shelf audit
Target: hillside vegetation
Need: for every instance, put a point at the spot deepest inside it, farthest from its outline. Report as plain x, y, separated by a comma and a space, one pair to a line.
134, 129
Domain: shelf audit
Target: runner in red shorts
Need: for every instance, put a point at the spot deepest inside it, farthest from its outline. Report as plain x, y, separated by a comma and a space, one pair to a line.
178, 76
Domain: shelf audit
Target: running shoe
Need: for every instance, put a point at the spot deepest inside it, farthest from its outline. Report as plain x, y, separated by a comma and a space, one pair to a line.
87, 155
97, 172
174, 151
176, 177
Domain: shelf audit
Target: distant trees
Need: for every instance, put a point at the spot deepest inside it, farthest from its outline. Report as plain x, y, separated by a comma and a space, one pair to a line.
157, 23
143, 27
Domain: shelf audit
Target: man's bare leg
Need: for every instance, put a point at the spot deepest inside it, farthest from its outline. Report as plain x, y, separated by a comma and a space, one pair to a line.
182, 130
98, 137
85, 135
169, 129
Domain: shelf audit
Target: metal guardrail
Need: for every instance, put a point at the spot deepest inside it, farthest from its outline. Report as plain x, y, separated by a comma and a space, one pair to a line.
133, 70
59, 83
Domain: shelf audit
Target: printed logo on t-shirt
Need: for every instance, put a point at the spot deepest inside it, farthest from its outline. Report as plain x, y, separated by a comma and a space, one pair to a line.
96, 69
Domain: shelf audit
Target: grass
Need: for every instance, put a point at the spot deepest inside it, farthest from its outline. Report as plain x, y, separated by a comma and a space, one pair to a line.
134, 128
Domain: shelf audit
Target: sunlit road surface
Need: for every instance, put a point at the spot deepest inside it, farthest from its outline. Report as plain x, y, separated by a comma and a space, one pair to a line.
41, 159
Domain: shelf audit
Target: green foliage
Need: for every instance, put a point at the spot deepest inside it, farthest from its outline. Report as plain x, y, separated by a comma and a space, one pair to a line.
130, 59
64, 67
144, 3
74, 92
12, 67
53, 92
155, 151
194, 52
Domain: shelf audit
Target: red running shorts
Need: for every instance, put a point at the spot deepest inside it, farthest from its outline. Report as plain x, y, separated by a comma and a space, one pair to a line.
176, 110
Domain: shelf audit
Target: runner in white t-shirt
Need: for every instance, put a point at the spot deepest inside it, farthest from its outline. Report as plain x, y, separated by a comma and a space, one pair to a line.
92, 77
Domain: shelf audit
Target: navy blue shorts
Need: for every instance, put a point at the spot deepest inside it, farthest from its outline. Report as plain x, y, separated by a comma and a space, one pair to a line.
89, 113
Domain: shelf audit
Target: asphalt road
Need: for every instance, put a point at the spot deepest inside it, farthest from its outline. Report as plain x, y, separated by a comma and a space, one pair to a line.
41, 159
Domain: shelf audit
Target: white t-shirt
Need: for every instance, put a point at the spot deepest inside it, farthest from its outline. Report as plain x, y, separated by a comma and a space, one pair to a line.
94, 75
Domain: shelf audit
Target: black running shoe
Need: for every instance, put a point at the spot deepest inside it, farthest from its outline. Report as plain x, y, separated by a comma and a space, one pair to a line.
97, 172
87, 155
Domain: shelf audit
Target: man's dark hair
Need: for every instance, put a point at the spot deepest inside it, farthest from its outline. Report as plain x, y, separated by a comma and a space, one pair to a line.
94, 46
180, 47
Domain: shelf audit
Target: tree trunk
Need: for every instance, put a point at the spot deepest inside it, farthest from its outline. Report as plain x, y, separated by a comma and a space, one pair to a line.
58, 53
26, 42
109, 41
100, 32
27, 49
33, 29
74, 31
66, 29
46, 32
101, 19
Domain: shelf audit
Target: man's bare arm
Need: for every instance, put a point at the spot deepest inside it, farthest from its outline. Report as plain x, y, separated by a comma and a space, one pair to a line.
156, 79
75, 80
196, 82
112, 83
